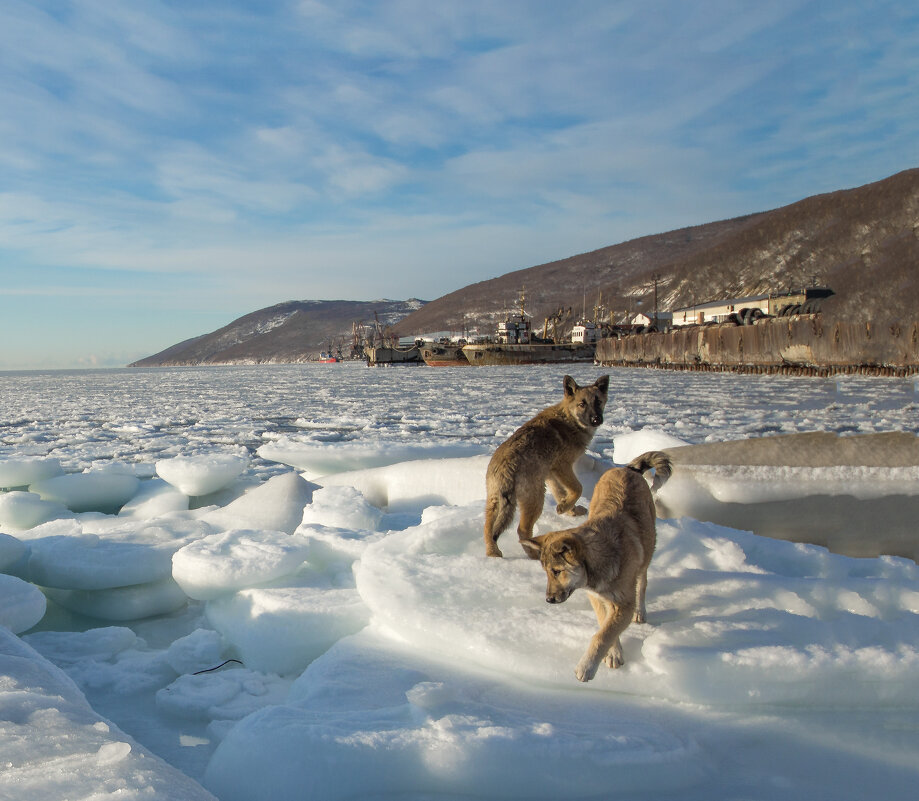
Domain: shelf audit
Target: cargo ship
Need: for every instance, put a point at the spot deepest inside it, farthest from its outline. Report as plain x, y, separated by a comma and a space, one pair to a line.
515, 344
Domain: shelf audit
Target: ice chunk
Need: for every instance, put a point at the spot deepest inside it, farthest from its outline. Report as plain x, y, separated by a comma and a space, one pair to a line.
725, 609
276, 505
88, 492
22, 604
109, 661
315, 460
202, 475
102, 644
155, 498
24, 471
627, 446
281, 628
228, 694
123, 603
341, 507
21, 510
11, 551
200, 650
334, 550
370, 720
228, 561
414, 485
69, 555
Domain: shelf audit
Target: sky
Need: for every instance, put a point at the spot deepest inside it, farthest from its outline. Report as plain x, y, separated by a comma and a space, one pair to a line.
167, 167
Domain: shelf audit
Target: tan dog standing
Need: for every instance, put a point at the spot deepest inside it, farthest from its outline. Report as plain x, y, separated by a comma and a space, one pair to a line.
542, 451
609, 555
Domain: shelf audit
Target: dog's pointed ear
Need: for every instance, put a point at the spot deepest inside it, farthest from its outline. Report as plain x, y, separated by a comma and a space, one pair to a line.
602, 383
571, 386
533, 546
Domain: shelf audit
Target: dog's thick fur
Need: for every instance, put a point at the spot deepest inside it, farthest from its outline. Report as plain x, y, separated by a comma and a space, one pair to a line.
542, 451
608, 554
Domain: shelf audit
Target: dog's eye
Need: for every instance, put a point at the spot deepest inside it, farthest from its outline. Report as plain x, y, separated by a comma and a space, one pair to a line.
582, 404
556, 572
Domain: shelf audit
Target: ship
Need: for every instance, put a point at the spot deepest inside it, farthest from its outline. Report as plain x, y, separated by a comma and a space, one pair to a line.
515, 344
445, 354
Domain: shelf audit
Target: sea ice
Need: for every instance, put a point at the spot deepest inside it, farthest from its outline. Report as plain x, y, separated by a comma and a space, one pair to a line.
56, 746
724, 607
419, 483
767, 670
228, 694
318, 460
200, 650
155, 498
22, 604
231, 560
372, 719
12, 550
20, 472
21, 510
113, 552
284, 625
133, 602
627, 446
275, 505
341, 507
202, 475
88, 492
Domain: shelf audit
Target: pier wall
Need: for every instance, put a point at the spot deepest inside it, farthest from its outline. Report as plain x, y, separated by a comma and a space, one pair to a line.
806, 345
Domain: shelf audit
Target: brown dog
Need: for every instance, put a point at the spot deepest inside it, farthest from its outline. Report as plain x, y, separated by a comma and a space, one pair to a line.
608, 554
542, 451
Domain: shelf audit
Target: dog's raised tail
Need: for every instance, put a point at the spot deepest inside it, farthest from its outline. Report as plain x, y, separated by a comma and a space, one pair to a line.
653, 460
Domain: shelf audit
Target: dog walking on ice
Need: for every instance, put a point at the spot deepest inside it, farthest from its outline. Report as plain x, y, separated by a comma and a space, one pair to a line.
542, 451
608, 555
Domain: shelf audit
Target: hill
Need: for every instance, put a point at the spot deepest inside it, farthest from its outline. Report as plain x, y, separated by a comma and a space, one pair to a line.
863, 242
295, 331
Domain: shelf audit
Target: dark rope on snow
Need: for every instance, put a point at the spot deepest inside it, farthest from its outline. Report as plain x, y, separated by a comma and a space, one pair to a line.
211, 670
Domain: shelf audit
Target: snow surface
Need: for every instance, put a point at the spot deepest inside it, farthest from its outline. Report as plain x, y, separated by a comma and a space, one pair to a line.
340, 634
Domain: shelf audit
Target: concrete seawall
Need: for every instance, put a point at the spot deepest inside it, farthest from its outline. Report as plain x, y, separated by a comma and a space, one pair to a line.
806, 345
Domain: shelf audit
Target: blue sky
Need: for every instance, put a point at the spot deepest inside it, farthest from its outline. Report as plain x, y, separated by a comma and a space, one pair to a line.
166, 167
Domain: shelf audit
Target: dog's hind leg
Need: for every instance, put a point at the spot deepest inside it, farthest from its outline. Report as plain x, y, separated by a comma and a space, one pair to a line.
641, 613
531, 500
566, 489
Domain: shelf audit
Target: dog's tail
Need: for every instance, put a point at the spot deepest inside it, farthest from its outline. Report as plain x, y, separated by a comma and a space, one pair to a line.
499, 511
653, 460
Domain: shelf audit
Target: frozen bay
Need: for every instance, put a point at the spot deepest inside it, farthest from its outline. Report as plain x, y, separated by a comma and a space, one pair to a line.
382, 654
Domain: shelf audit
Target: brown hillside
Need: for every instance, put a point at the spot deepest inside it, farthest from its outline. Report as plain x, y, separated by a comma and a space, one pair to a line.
864, 243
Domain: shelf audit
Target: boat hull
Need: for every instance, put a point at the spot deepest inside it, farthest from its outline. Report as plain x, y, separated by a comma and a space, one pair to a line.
492, 354
386, 355
444, 357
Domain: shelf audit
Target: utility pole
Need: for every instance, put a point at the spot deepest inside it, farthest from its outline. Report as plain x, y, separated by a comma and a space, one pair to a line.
655, 277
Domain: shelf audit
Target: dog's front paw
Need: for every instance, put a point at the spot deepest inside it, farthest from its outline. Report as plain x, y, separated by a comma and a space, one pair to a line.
493, 550
577, 511
586, 669
613, 660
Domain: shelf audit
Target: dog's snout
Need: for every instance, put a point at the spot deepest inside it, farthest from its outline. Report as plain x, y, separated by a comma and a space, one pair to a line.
596, 420
551, 599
